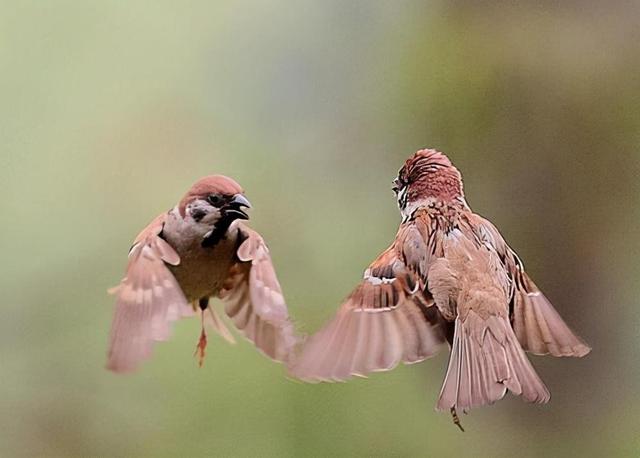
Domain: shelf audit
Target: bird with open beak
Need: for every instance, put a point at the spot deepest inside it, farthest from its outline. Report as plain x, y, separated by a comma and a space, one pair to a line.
198, 250
448, 276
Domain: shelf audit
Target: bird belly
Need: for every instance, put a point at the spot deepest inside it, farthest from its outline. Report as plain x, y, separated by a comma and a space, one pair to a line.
203, 270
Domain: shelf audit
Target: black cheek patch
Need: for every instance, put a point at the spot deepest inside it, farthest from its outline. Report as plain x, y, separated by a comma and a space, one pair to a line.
197, 214
214, 237
219, 231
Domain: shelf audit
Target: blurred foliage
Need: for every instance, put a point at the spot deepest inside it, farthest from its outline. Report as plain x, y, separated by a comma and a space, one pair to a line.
111, 109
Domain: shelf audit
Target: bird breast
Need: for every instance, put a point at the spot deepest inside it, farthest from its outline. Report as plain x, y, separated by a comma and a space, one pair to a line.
202, 270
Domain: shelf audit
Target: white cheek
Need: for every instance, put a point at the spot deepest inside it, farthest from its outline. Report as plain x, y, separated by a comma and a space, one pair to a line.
212, 217
401, 196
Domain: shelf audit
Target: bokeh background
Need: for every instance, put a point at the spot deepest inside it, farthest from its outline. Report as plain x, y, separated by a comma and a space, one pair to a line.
110, 110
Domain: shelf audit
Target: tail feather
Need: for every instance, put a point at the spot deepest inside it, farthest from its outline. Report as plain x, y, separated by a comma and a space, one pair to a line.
213, 320
486, 360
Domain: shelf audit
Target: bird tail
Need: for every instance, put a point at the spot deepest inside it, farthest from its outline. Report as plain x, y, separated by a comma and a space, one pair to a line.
486, 360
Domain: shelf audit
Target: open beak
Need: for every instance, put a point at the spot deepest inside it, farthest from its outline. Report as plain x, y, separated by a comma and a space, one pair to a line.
236, 204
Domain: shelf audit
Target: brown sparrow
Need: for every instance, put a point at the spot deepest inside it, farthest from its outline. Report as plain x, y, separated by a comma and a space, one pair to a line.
197, 250
448, 276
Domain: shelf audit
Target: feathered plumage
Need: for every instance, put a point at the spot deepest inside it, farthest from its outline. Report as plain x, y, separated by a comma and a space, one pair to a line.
449, 276
195, 251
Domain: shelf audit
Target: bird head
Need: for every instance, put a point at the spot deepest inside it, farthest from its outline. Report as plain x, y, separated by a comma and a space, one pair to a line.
427, 177
214, 200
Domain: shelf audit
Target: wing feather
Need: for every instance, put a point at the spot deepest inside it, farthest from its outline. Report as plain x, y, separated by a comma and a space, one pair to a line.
538, 326
378, 326
254, 301
148, 300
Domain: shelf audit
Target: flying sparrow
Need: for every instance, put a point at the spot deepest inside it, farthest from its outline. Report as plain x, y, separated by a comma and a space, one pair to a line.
197, 250
448, 276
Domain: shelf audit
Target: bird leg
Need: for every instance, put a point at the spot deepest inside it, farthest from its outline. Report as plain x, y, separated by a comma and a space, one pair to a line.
456, 420
202, 343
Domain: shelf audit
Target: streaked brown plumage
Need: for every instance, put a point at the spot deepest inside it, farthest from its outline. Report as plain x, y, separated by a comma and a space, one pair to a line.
195, 251
449, 276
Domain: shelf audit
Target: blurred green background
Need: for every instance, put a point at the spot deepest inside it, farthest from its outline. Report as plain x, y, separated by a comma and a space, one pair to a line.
110, 110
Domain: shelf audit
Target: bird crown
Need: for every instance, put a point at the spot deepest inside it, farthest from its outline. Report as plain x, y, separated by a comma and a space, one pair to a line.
429, 173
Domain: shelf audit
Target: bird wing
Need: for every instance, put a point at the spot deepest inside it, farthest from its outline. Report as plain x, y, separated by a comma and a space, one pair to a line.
384, 321
148, 300
539, 327
253, 298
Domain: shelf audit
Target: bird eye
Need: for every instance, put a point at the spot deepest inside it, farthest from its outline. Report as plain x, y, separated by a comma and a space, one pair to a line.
215, 200
396, 185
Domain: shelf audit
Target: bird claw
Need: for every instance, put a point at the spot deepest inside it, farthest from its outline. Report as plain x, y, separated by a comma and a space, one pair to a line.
200, 348
456, 420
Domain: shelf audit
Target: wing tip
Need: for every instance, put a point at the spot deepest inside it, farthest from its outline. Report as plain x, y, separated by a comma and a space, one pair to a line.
578, 350
111, 366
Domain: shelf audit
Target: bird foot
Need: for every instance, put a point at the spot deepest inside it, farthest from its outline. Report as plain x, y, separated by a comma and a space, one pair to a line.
456, 420
200, 348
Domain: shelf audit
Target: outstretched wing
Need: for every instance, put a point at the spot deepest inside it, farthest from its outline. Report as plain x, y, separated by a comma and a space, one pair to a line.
386, 320
148, 300
539, 327
254, 301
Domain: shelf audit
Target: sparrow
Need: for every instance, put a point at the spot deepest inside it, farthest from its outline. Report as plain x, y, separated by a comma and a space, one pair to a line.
200, 249
449, 276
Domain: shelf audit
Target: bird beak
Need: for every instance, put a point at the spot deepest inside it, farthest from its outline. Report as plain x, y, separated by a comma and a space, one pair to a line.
235, 205
395, 185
